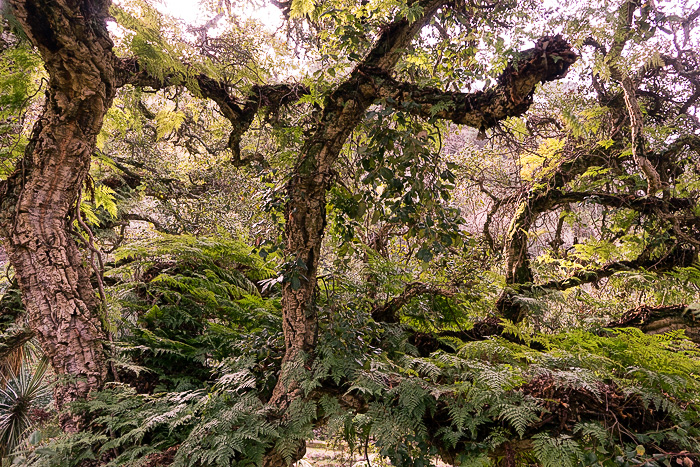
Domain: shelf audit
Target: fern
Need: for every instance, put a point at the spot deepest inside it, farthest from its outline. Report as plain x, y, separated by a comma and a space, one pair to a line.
200, 330
556, 452
520, 413
593, 432
200, 304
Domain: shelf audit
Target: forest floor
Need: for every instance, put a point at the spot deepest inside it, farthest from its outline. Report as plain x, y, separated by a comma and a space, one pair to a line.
322, 454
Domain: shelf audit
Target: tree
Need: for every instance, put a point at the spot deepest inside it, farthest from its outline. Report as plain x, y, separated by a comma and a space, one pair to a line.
40, 196
561, 183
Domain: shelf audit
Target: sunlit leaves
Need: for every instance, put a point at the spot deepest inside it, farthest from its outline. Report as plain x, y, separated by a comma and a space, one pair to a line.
21, 79
301, 8
167, 122
103, 199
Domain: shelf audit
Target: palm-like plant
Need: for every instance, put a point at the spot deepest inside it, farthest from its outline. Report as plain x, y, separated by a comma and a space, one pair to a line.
22, 391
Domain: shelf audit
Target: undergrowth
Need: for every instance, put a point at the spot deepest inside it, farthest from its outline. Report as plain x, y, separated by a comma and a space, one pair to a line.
204, 346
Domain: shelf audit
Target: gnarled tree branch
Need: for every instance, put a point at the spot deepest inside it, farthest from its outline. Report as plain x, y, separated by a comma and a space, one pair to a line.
549, 60
388, 312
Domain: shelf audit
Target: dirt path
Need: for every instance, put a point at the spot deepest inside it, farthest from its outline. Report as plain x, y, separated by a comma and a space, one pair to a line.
321, 454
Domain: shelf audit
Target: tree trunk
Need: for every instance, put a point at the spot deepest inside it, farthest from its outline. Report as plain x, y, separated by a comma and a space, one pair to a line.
304, 231
661, 319
306, 222
518, 260
38, 197
343, 110
306, 212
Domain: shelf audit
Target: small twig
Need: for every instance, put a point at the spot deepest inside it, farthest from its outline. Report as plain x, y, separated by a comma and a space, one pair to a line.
93, 252
367, 455
99, 271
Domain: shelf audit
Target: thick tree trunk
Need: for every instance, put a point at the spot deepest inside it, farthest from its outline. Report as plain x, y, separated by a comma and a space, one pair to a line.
304, 231
306, 222
37, 199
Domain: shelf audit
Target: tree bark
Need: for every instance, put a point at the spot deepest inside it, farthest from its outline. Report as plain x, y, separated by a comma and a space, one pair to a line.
654, 184
39, 196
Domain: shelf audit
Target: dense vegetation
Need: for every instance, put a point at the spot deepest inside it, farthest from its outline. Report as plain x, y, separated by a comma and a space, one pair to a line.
464, 231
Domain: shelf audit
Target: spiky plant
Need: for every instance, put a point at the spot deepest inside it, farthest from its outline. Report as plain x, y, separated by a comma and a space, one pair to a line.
14, 335
22, 392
